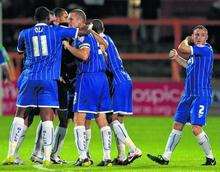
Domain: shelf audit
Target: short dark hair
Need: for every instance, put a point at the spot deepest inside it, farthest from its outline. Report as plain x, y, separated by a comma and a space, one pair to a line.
80, 13
200, 27
58, 11
98, 25
41, 14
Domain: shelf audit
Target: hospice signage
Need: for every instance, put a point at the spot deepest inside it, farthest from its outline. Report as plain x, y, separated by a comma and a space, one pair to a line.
156, 98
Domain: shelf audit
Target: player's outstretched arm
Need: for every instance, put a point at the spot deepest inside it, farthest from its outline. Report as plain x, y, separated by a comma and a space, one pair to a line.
173, 55
184, 46
82, 53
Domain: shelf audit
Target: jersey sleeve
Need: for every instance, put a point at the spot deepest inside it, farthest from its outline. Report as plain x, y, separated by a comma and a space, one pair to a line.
21, 43
67, 32
84, 42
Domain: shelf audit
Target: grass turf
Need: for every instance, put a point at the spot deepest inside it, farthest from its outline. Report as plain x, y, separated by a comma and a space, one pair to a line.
149, 133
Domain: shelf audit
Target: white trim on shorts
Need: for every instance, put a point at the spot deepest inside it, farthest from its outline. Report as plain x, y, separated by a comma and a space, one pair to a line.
86, 111
36, 106
105, 111
123, 112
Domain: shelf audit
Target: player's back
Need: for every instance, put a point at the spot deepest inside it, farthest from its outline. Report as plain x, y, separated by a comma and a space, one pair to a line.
199, 71
42, 45
115, 64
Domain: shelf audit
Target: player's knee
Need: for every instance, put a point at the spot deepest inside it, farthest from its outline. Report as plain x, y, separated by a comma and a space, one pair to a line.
196, 129
79, 118
178, 126
20, 112
101, 120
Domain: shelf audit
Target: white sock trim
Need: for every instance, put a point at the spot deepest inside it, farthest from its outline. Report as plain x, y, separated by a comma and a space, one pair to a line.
80, 127
47, 123
18, 120
105, 128
199, 136
174, 131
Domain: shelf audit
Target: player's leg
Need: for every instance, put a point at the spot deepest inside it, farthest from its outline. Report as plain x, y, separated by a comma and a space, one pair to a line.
36, 155
60, 130
80, 139
198, 113
122, 134
47, 100
18, 127
59, 135
171, 144
47, 132
84, 102
89, 117
28, 119
180, 118
104, 106
106, 136
122, 105
121, 158
16, 132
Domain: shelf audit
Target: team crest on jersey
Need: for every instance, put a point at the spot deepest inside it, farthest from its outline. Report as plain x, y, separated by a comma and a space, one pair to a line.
38, 29
81, 39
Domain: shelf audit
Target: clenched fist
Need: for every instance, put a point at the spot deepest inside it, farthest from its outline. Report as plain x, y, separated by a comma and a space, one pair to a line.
173, 54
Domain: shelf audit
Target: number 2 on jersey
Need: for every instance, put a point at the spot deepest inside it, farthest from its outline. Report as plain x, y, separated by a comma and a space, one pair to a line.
43, 43
201, 110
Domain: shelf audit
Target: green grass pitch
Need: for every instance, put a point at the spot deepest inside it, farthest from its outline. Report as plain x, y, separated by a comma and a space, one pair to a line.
149, 134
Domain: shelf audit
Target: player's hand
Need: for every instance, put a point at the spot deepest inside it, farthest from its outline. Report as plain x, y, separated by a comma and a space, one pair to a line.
62, 80
90, 26
65, 44
173, 54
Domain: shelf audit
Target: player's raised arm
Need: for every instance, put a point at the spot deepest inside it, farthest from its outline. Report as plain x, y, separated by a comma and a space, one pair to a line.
184, 46
173, 55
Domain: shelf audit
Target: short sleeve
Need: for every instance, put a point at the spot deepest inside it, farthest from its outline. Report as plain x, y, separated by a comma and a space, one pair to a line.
84, 42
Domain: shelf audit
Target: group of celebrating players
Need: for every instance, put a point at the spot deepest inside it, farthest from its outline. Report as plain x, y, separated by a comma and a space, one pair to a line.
74, 70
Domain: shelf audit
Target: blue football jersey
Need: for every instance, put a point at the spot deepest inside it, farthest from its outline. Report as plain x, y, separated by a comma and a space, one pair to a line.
42, 45
199, 71
96, 61
114, 62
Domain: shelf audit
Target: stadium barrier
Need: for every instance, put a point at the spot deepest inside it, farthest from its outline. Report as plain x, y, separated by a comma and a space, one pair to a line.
134, 23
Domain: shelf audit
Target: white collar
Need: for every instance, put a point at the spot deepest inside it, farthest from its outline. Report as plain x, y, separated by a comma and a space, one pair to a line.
200, 45
41, 24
